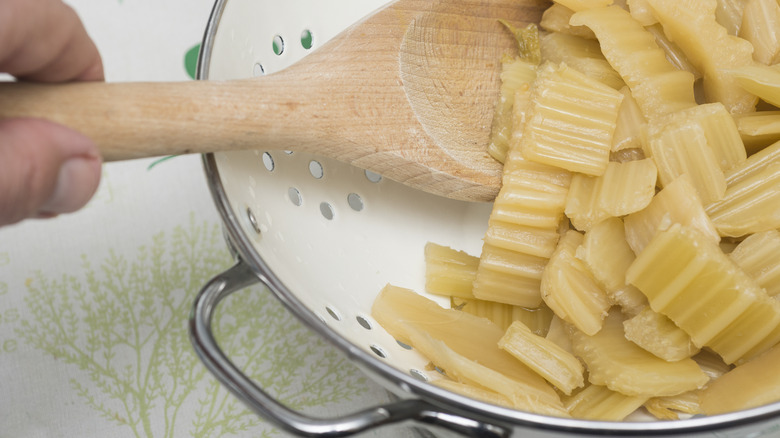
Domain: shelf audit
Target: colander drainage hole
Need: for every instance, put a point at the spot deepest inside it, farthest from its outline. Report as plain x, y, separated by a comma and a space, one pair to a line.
419, 375
316, 170
278, 44
250, 215
363, 322
295, 196
355, 201
379, 351
402, 345
268, 161
327, 211
258, 70
307, 39
333, 313
373, 176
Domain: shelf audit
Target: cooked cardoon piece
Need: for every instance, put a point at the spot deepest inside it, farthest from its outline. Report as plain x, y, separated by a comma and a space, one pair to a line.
556, 365
579, 5
475, 392
682, 149
758, 130
729, 15
759, 256
761, 26
751, 205
658, 87
657, 334
503, 315
608, 256
581, 54
669, 408
622, 366
624, 188
749, 385
679, 203
629, 125
674, 53
515, 73
522, 231
471, 371
571, 120
760, 80
556, 19
709, 47
641, 12
414, 319
719, 127
756, 163
706, 294
596, 402
570, 290
448, 271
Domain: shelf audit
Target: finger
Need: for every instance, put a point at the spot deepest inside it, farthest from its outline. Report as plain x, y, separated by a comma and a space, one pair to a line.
44, 40
45, 169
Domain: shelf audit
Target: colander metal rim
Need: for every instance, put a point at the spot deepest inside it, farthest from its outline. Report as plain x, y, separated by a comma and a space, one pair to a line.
395, 378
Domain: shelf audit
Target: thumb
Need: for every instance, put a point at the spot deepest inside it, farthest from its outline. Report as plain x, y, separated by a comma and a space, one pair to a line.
45, 169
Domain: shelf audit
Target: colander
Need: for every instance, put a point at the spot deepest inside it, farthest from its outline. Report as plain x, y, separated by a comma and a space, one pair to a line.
324, 237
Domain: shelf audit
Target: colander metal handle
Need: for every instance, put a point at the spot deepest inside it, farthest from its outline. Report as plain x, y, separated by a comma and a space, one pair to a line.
202, 337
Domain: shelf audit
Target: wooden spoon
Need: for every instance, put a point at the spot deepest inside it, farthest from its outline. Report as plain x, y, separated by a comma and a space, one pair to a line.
408, 93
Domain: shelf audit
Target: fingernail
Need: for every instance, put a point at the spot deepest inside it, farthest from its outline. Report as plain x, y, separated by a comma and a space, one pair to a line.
76, 183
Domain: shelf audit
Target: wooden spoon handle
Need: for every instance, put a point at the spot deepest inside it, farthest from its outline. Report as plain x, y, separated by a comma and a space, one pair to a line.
134, 120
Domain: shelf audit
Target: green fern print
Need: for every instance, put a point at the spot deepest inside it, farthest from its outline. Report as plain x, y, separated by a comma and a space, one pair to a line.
123, 326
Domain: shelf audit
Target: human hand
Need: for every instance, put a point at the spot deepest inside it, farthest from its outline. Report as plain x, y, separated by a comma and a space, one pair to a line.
45, 169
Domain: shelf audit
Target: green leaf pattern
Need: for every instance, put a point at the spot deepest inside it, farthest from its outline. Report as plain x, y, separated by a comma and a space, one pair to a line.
123, 325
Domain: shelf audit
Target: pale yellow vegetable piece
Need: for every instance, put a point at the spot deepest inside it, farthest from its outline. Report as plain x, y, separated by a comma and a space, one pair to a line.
759, 256
522, 231
674, 53
629, 125
596, 402
558, 333
471, 371
403, 312
582, 202
622, 366
473, 391
761, 26
571, 122
752, 384
758, 130
556, 19
515, 73
608, 256
755, 164
749, 206
580, 5
682, 149
669, 408
657, 334
520, 110
760, 80
704, 293
719, 127
570, 290
709, 47
449, 272
503, 315
729, 14
581, 54
641, 12
658, 87
678, 202
556, 365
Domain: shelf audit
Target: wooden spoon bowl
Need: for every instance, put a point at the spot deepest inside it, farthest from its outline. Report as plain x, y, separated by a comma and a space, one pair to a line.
407, 92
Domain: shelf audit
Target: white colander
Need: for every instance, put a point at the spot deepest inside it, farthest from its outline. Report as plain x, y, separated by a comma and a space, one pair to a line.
325, 237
